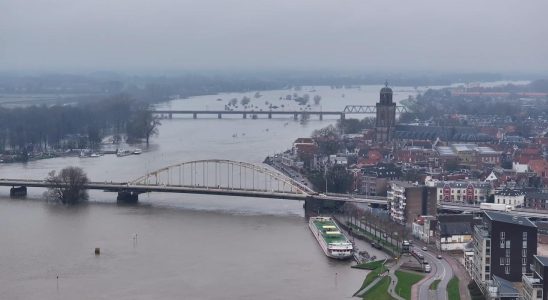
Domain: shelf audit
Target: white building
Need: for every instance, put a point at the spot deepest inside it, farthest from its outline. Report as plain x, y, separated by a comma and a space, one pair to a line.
515, 198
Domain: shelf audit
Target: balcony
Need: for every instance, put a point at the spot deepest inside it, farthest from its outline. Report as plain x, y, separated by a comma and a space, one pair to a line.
532, 287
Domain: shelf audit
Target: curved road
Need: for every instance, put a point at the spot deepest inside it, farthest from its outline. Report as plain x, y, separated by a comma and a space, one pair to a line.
440, 270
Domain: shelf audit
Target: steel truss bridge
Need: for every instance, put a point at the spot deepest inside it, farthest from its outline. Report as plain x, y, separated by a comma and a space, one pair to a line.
349, 109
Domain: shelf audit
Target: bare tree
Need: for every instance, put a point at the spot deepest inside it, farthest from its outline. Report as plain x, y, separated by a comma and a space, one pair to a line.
68, 186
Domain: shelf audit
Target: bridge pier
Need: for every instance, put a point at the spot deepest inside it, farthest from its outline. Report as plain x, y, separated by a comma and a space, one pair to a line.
321, 117
127, 197
17, 192
245, 116
219, 116
270, 115
342, 116
170, 116
195, 115
295, 116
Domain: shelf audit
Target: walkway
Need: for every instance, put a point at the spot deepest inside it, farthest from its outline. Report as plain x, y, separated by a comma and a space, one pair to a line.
394, 280
462, 275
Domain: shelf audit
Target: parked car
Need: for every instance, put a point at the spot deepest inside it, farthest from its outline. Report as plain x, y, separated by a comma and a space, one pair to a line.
439, 256
424, 248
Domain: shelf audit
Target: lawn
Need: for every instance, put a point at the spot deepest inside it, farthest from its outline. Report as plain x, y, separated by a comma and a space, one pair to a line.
405, 281
372, 276
379, 291
453, 289
372, 265
434, 285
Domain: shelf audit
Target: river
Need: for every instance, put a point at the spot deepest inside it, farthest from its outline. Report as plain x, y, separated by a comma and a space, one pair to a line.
176, 246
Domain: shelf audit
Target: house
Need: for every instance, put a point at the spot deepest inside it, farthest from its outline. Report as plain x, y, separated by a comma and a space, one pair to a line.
423, 228
454, 232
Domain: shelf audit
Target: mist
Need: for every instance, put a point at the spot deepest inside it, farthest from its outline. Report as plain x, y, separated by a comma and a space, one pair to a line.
169, 35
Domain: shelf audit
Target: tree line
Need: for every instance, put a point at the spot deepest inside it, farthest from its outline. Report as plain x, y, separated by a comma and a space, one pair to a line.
84, 125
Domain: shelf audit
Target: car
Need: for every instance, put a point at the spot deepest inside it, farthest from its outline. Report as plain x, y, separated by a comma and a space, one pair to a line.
439, 256
424, 248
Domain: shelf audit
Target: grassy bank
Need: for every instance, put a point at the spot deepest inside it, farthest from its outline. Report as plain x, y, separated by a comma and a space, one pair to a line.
453, 289
405, 281
372, 276
379, 291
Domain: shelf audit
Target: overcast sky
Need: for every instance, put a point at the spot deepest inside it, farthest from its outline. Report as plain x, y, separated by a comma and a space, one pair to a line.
384, 35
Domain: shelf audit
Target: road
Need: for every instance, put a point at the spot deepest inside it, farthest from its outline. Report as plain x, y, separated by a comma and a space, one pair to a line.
440, 270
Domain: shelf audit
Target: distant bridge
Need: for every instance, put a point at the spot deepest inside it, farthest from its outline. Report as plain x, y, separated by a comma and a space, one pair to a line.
211, 177
349, 109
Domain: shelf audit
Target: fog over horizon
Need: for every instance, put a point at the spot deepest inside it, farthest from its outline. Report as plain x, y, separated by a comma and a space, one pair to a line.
170, 35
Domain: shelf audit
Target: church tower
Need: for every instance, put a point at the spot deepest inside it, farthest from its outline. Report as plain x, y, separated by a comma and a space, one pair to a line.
386, 116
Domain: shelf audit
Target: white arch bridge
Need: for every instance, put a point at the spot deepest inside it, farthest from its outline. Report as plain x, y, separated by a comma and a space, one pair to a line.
214, 177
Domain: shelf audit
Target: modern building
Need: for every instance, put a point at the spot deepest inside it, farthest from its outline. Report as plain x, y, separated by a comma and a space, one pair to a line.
534, 285
386, 116
408, 201
504, 246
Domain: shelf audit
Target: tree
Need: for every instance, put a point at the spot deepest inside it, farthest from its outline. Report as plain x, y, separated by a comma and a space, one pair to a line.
143, 125
68, 186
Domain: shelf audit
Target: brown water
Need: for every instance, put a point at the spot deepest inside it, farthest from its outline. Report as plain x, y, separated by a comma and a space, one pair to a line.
172, 246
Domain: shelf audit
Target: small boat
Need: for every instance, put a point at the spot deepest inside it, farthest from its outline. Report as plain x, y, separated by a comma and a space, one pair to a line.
137, 151
122, 153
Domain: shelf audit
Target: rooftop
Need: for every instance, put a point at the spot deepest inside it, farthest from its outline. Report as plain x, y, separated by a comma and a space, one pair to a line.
330, 238
509, 218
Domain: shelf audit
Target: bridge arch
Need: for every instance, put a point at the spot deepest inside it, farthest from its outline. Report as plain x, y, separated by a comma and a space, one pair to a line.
223, 175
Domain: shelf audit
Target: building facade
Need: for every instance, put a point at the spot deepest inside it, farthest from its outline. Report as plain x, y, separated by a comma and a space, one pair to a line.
534, 285
408, 201
512, 197
504, 246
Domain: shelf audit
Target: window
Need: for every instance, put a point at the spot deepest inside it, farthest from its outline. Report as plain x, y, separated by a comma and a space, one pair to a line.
507, 252
539, 294
508, 244
523, 270
508, 261
502, 243
502, 235
524, 244
524, 261
502, 261
525, 235
507, 270
524, 252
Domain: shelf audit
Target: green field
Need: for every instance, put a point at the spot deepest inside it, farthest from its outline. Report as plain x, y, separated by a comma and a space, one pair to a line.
405, 281
453, 289
379, 291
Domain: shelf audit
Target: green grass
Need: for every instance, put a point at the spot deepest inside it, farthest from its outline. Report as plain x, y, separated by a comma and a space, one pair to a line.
379, 291
372, 276
434, 285
453, 289
372, 265
405, 281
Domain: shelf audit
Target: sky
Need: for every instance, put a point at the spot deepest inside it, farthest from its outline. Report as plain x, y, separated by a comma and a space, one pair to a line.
173, 35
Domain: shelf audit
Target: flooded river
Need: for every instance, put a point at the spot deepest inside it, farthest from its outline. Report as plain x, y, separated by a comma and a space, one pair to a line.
176, 246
